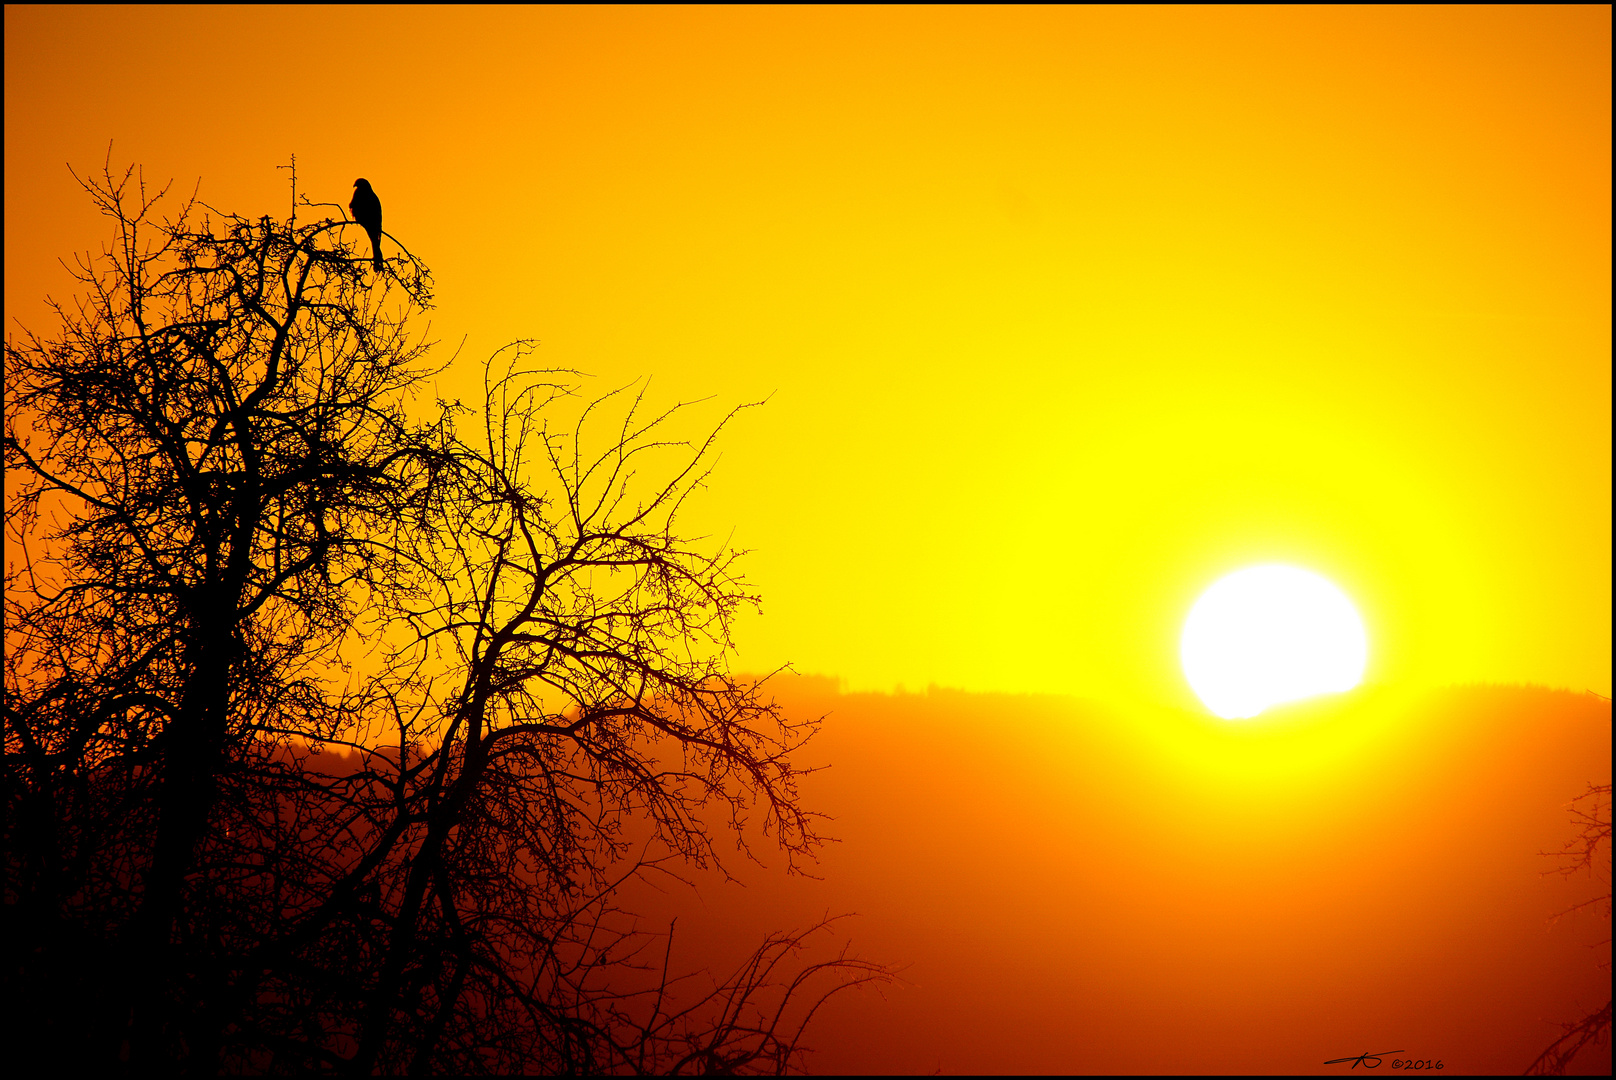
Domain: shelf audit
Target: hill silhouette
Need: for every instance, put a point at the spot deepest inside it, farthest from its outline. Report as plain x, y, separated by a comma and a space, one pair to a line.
1082, 889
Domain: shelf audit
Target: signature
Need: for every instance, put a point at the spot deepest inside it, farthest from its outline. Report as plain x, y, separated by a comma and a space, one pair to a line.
1372, 1061
1364, 1059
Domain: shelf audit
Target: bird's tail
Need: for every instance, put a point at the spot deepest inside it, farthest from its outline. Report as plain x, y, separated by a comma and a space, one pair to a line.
376, 252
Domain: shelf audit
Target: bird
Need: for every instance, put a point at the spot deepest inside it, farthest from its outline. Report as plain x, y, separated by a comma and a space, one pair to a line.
367, 210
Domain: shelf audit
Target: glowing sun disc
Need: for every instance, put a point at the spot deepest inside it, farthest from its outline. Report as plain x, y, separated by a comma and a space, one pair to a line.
1270, 634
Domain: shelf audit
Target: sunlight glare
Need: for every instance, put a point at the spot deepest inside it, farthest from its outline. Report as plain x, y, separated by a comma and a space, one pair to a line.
1270, 634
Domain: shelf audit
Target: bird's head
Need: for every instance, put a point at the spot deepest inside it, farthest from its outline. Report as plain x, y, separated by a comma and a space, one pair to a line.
362, 184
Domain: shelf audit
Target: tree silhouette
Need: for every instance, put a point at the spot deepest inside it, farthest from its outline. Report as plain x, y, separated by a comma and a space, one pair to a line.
331, 733
1591, 812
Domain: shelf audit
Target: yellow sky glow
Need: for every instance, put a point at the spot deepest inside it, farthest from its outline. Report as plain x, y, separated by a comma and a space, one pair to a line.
1065, 313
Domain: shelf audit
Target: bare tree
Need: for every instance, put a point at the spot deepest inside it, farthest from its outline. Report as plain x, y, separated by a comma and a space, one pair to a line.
203, 468
1591, 812
331, 733
587, 727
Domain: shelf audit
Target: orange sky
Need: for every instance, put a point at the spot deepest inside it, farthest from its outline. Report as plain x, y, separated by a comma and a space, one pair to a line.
1064, 314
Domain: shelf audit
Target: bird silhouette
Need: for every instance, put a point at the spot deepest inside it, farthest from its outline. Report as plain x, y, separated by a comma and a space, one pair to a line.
367, 210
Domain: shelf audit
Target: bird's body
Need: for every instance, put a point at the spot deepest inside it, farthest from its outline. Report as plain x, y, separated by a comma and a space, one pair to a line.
367, 210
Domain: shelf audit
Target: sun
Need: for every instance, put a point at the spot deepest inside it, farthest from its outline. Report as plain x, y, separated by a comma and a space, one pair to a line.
1269, 634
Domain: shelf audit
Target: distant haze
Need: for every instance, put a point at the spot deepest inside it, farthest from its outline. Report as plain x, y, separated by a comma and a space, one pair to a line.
1078, 890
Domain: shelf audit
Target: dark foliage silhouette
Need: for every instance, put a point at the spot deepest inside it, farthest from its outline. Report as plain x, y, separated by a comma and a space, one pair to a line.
330, 731
367, 210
